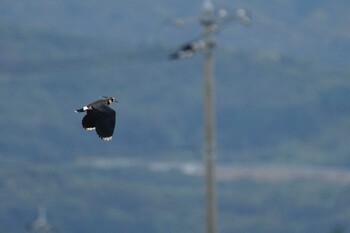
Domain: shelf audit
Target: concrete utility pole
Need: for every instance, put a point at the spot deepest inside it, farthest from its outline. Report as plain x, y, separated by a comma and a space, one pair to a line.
208, 23
206, 45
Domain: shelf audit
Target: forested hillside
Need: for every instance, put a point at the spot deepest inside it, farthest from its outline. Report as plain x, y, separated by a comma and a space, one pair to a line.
316, 29
275, 107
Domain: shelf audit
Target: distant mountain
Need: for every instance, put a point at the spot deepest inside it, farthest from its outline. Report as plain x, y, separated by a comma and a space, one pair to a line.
313, 29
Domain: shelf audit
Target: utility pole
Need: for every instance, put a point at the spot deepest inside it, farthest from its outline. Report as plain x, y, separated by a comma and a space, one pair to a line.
208, 23
206, 45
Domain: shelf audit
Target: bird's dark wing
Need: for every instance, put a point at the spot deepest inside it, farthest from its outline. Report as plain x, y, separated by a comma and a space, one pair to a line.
187, 47
89, 120
105, 122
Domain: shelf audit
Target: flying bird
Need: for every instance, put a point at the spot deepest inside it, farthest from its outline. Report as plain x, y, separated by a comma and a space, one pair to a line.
188, 49
100, 117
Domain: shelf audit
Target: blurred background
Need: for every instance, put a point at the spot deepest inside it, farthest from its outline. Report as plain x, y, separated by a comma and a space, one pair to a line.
283, 117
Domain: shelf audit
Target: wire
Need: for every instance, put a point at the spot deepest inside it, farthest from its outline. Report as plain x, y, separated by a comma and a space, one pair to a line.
97, 60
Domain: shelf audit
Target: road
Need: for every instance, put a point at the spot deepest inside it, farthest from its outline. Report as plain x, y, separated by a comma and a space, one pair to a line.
227, 172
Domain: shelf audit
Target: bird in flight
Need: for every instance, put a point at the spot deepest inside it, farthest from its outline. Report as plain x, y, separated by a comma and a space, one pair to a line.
100, 117
188, 50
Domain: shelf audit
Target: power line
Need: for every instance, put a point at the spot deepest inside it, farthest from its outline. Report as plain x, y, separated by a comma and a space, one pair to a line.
97, 60
158, 53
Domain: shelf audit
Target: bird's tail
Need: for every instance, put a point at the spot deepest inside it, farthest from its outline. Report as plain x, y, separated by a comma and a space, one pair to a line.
79, 110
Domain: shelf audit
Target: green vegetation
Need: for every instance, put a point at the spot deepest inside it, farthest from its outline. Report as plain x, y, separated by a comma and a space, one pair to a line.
277, 109
86, 199
269, 110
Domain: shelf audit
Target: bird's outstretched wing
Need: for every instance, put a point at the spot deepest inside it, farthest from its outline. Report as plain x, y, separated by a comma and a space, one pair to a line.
89, 120
105, 121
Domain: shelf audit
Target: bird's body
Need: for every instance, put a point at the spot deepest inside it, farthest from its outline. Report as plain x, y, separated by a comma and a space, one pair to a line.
189, 49
100, 117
